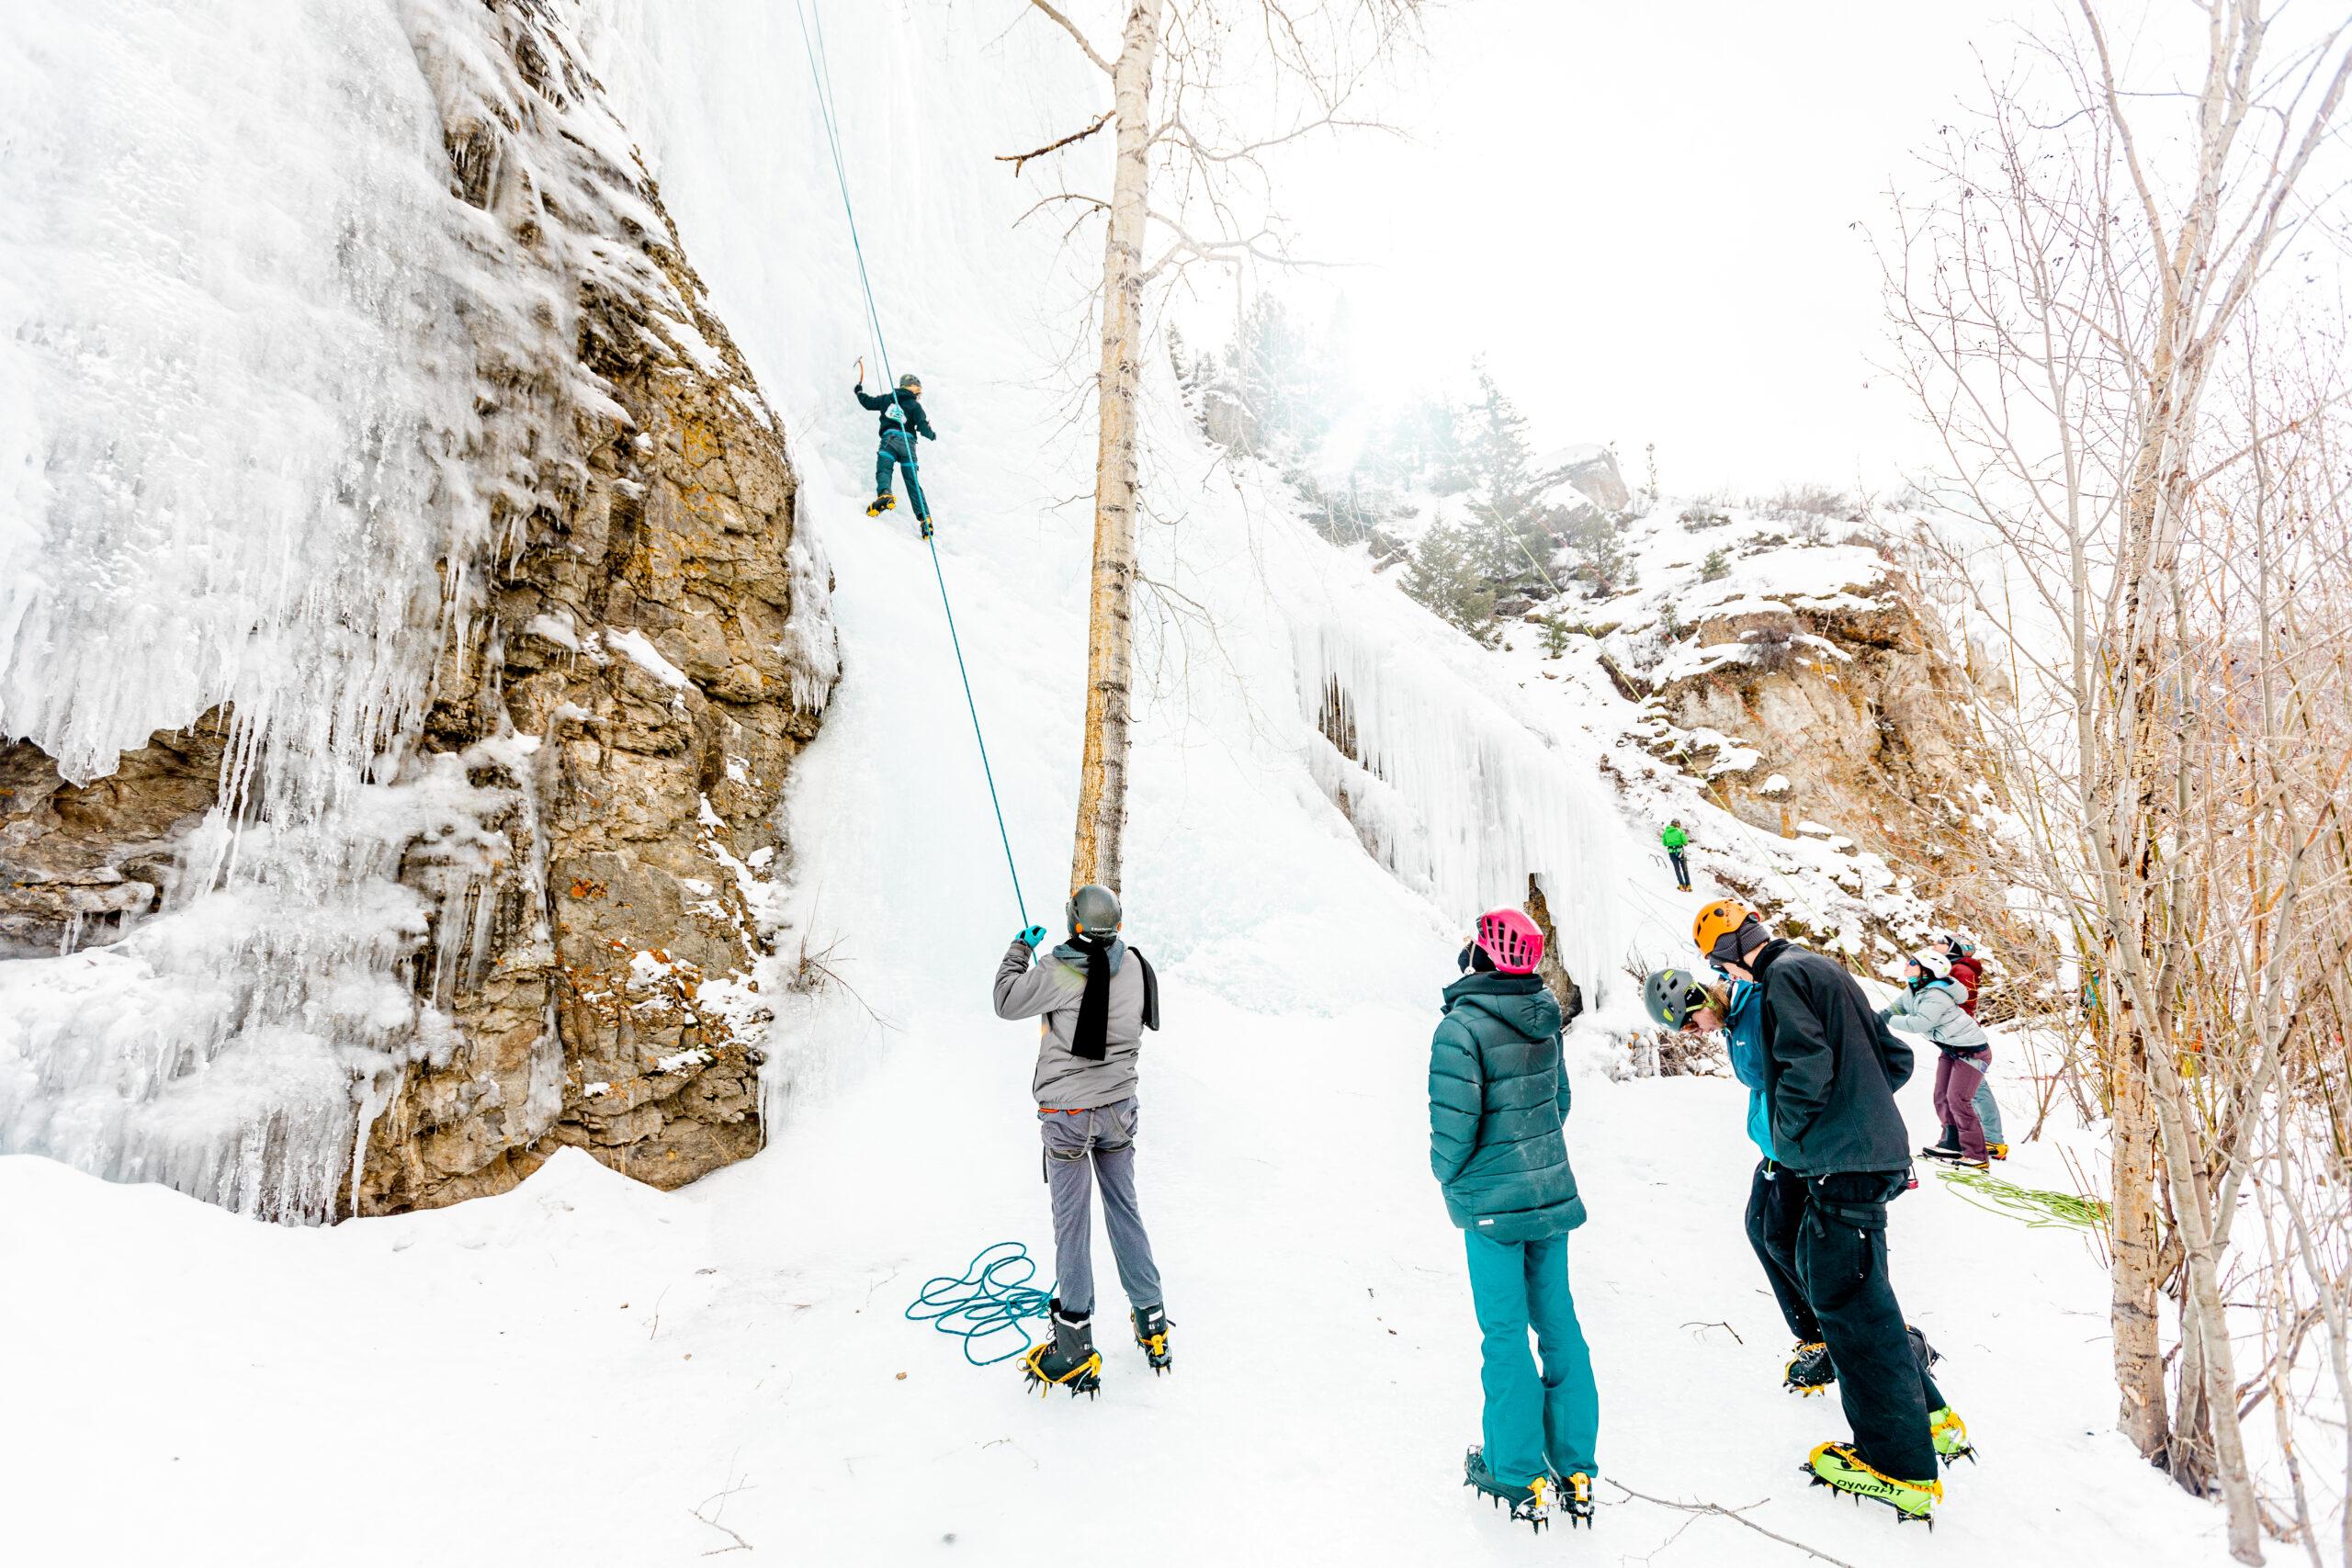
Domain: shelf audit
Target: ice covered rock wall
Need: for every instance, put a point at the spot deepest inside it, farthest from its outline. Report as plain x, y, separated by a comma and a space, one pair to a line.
405, 633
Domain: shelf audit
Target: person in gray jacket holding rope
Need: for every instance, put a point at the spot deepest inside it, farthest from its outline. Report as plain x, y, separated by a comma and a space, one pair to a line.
1092, 996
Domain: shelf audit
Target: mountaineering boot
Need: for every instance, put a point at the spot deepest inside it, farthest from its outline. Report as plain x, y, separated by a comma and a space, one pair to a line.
1835, 1464
1999, 1151
1068, 1359
1531, 1503
1809, 1369
1574, 1491
881, 503
1151, 1336
926, 527
1947, 1150
1951, 1433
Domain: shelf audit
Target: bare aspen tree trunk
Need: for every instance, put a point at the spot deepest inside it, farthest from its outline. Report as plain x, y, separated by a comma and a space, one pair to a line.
1102, 769
2139, 1270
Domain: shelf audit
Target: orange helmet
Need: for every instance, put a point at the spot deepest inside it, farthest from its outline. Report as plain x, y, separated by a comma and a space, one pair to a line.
1718, 920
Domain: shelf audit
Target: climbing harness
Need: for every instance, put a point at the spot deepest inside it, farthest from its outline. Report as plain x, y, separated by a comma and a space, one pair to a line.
820, 74
990, 1297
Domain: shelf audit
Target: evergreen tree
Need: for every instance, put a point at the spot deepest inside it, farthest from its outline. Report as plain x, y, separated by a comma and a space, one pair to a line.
1514, 533
1445, 577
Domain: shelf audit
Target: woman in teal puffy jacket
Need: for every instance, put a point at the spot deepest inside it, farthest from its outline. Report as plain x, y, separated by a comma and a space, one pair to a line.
1499, 1095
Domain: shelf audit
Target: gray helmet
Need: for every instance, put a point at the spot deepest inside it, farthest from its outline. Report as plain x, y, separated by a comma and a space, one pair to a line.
1671, 996
1093, 911
910, 379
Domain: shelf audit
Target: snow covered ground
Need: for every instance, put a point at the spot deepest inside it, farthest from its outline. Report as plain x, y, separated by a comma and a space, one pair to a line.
564, 1374
587, 1372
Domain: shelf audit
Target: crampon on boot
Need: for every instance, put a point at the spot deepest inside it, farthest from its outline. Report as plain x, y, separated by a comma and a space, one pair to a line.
1951, 1433
1068, 1359
926, 527
881, 503
1151, 1336
1531, 1503
1835, 1464
1573, 1494
1999, 1151
1809, 1369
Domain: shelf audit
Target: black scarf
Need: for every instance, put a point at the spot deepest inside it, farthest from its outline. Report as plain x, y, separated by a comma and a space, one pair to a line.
1094, 1007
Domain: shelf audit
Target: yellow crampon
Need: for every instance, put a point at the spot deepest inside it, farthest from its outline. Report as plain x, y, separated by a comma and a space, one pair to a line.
1789, 1373
1086, 1377
1848, 1471
1576, 1498
1951, 1436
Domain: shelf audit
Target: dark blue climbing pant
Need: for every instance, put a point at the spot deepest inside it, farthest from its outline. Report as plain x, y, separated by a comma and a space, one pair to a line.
1537, 1423
898, 448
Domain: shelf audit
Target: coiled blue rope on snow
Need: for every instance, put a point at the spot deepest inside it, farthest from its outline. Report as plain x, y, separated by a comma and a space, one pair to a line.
991, 1296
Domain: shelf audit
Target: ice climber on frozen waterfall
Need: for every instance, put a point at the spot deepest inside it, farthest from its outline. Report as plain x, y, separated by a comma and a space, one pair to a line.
1499, 1100
902, 421
1094, 997
1830, 1072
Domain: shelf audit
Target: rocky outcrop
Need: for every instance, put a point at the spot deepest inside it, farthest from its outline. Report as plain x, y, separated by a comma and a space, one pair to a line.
1592, 473
586, 806
81, 864
1840, 714
654, 650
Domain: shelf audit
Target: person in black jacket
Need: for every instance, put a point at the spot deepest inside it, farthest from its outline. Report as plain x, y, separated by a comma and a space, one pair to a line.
902, 421
1830, 1072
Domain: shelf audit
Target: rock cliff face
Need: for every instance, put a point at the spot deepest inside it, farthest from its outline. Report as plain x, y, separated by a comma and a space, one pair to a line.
622, 685
1836, 712
79, 864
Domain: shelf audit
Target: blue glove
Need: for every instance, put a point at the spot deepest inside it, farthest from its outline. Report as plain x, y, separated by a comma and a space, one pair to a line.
1031, 935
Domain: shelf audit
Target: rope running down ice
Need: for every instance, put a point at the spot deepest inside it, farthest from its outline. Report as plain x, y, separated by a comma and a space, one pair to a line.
820, 74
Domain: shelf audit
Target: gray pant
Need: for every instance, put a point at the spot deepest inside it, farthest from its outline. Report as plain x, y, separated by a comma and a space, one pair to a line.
1106, 1136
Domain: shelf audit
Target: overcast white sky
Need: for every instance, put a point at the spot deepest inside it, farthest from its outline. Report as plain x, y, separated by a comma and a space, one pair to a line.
1642, 214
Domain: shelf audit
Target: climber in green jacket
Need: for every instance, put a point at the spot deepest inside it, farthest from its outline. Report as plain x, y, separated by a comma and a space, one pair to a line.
1675, 841
1498, 1096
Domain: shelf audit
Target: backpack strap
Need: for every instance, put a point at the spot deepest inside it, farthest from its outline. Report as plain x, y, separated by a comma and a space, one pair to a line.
1150, 991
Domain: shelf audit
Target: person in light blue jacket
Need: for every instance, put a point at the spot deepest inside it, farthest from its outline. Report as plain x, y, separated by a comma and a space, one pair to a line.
1776, 1201
1933, 1004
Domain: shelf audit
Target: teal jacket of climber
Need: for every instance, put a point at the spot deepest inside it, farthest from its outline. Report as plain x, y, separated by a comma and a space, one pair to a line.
1498, 1096
1743, 1033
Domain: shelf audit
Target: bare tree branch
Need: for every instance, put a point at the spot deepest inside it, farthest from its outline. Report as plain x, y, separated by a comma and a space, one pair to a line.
1071, 27
1018, 159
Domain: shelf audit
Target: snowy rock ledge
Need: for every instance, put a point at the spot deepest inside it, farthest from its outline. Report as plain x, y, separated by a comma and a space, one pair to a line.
463, 856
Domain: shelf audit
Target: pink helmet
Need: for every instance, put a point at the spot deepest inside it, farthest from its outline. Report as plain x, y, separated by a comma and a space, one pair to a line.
1510, 939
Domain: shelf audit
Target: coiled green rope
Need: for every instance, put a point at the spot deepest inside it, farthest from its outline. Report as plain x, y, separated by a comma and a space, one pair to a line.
990, 1297
2036, 1207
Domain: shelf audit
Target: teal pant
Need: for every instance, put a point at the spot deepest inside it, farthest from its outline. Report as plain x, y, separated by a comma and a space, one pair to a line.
1536, 1425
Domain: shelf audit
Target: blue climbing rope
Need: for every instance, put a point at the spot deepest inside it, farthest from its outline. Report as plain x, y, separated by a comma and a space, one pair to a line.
820, 74
990, 1297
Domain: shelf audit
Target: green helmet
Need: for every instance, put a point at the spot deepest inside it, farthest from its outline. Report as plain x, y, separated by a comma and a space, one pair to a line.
1671, 996
1093, 911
